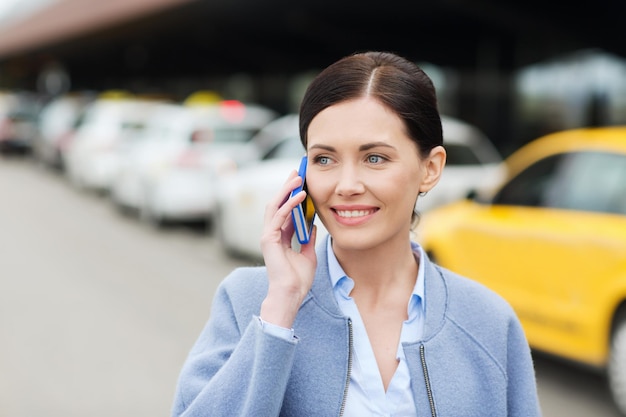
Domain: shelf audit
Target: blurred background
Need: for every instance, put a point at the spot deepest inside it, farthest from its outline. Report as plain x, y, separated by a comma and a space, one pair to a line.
140, 140
513, 68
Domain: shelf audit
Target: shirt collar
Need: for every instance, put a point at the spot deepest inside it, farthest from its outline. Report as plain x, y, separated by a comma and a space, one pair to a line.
342, 284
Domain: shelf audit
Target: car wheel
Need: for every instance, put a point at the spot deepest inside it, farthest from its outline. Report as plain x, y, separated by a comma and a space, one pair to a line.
617, 363
149, 216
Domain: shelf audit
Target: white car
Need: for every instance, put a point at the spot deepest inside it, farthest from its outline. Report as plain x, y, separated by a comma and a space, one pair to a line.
18, 121
473, 165
166, 135
57, 121
93, 156
201, 142
243, 195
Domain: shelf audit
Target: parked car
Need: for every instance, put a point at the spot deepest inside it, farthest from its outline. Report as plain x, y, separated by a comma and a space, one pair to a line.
56, 123
197, 145
473, 164
165, 136
18, 121
243, 194
93, 154
552, 241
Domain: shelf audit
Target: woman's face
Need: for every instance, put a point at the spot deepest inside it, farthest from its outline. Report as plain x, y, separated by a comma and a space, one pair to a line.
365, 173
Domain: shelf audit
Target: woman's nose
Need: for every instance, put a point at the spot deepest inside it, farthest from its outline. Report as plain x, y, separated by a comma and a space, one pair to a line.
349, 182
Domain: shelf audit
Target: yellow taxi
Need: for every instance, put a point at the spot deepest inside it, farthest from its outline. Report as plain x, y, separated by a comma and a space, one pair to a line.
552, 241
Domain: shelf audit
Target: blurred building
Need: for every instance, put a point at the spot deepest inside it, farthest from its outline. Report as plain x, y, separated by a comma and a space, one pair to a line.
266, 50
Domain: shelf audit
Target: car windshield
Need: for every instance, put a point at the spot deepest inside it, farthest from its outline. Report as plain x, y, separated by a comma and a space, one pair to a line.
461, 155
288, 148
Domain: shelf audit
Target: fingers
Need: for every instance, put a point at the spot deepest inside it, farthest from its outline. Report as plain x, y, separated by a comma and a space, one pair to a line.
308, 249
281, 205
287, 186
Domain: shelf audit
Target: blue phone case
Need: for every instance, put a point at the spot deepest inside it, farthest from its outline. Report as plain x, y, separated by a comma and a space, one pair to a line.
304, 214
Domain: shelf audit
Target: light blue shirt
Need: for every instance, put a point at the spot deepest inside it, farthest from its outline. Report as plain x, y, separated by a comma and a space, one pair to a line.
366, 394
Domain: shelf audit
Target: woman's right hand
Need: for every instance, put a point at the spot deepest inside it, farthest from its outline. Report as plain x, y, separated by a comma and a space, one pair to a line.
290, 272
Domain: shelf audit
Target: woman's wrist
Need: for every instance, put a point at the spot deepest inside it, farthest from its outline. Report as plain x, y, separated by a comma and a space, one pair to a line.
280, 310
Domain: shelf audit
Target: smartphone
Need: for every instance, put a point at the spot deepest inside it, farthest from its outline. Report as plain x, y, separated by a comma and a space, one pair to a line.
303, 215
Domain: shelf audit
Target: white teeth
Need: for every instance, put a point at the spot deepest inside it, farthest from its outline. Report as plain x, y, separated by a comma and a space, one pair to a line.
353, 213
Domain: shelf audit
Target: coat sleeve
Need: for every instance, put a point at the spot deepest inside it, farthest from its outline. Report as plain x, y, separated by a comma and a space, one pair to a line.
234, 368
522, 388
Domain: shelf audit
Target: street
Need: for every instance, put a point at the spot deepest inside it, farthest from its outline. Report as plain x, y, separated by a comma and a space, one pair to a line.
98, 310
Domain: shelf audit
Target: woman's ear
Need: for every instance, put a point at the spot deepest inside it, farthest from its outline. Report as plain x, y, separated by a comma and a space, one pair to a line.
433, 166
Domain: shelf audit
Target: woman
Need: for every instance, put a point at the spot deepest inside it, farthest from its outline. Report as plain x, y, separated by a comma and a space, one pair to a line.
364, 325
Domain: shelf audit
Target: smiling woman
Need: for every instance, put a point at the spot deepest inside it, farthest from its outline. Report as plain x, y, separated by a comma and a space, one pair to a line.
357, 149
364, 323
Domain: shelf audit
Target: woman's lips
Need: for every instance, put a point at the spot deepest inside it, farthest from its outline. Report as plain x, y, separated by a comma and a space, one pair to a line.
353, 216
353, 213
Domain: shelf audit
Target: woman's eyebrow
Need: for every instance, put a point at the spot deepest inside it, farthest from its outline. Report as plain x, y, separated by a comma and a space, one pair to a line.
364, 147
322, 147
368, 146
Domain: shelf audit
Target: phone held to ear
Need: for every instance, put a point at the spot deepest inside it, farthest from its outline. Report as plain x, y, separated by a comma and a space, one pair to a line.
303, 215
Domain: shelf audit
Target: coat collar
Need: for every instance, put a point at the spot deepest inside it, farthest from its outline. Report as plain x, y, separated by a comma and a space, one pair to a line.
435, 291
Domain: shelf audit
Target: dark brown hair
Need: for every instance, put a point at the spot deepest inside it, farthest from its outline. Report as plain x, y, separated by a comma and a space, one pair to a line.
395, 81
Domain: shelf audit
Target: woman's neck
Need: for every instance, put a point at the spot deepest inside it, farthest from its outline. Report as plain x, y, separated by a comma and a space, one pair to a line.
380, 269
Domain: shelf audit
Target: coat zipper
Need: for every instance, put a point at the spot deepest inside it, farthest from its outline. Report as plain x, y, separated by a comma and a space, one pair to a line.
429, 391
345, 390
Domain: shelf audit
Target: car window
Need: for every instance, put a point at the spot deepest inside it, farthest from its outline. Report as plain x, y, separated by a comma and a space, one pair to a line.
287, 148
529, 187
586, 181
458, 154
590, 181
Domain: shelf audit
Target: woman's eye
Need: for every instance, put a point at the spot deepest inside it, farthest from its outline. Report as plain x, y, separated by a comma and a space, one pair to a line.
322, 160
375, 159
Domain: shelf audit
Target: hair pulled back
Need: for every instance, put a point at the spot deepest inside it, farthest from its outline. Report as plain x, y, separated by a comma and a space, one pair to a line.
396, 82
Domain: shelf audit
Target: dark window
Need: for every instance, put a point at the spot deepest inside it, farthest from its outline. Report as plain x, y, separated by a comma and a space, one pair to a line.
529, 187
591, 181
586, 181
461, 155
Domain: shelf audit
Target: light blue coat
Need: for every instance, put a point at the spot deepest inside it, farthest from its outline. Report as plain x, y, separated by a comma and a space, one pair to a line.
473, 360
